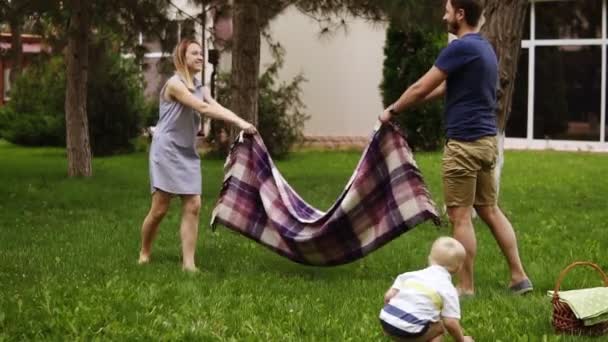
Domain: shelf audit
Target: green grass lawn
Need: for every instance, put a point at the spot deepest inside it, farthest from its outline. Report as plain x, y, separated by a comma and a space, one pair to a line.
68, 251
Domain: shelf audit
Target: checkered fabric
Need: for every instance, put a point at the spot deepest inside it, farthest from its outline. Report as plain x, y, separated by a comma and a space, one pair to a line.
385, 197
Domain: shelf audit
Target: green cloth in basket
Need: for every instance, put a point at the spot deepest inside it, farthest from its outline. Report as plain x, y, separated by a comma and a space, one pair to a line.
590, 305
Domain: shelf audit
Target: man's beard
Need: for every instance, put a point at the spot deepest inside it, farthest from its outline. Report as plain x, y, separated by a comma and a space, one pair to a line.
453, 27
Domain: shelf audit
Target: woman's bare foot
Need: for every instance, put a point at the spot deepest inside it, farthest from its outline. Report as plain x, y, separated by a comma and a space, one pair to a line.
462, 293
143, 259
190, 268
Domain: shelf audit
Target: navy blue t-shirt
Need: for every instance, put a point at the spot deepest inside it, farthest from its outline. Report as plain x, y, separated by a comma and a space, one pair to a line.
470, 101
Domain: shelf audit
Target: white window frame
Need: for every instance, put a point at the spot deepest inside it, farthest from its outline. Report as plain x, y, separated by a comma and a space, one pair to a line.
529, 142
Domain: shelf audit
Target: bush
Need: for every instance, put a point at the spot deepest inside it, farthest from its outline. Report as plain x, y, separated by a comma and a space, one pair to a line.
36, 119
115, 104
281, 114
149, 115
281, 117
408, 55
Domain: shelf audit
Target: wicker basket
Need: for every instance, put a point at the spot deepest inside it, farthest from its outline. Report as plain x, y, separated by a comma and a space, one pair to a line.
564, 321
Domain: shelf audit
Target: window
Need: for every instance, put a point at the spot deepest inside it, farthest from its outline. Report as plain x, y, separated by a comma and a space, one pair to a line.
517, 125
568, 19
567, 94
567, 75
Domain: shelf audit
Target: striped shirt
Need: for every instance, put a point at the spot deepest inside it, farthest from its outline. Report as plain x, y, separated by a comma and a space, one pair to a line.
424, 296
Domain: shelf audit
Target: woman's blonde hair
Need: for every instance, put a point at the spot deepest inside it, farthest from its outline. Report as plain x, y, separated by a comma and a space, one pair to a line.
179, 61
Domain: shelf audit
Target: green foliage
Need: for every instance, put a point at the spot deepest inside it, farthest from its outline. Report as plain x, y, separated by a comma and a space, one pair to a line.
115, 102
333, 14
408, 55
149, 115
35, 114
281, 115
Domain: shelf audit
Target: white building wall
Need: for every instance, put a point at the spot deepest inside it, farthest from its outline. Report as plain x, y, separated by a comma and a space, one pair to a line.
343, 70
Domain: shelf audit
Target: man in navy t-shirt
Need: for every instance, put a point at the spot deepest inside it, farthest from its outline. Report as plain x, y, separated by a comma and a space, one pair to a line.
466, 73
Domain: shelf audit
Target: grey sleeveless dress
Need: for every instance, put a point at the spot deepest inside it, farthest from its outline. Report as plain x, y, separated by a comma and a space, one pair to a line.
175, 165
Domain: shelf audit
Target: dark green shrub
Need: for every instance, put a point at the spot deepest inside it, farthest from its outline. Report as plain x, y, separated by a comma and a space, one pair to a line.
34, 115
115, 103
409, 55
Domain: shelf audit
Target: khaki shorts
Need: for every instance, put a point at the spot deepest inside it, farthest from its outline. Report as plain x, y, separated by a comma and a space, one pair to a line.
468, 172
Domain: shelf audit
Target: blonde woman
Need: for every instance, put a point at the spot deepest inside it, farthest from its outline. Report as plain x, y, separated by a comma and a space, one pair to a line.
175, 168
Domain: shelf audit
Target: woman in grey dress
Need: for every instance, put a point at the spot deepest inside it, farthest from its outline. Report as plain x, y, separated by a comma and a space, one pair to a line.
175, 168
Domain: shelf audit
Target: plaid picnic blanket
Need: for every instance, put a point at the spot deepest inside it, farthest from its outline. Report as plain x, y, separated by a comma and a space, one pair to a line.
385, 197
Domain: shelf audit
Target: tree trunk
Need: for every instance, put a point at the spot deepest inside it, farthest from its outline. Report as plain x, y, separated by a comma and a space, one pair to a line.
16, 48
504, 23
246, 60
77, 56
206, 121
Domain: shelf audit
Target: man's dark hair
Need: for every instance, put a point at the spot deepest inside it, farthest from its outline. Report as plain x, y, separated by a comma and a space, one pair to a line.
472, 10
